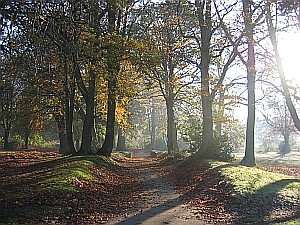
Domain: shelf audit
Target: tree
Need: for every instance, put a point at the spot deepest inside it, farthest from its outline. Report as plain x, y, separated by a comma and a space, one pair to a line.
122, 46
278, 119
249, 159
210, 44
7, 113
172, 73
272, 32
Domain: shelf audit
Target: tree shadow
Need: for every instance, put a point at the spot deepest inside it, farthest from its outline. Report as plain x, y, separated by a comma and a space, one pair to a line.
164, 208
216, 201
49, 164
26, 196
208, 190
266, 205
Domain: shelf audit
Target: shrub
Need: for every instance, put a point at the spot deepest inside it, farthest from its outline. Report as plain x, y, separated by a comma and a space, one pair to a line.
219, 148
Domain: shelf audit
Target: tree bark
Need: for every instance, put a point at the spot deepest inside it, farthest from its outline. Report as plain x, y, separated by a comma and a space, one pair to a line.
26, 139
153, 126
108, 144
61, 134
171, 127
69, 111
204, 16
7, 127
88, 125
249, 158
113, 69
286, 148
121, 140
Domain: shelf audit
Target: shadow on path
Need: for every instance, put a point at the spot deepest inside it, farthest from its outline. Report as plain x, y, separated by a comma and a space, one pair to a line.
161, 203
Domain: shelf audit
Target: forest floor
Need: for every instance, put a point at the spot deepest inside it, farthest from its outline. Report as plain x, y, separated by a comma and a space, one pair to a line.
42, 187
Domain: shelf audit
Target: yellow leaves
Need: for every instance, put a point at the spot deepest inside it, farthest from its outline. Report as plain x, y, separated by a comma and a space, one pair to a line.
122, 113
178, 44
42, 17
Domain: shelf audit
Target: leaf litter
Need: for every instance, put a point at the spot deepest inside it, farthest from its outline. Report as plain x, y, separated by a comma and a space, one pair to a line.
118, 189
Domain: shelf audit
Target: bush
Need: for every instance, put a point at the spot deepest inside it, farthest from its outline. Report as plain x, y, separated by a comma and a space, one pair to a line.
284, 148
220, 148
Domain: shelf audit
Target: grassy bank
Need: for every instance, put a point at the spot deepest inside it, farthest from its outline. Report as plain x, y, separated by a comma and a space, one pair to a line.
265, 197
45, 188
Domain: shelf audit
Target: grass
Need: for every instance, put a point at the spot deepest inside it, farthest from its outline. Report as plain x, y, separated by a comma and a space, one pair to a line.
75, 168
253, 180
290, 222
256, 184
57, 174
30, 188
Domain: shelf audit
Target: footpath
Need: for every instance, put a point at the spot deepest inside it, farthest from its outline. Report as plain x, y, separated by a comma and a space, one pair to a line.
161, 203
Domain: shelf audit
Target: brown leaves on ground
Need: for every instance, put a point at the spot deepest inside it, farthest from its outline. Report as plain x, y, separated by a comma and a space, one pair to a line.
284, 169
213, 200
117, 189
207, 195
26, 199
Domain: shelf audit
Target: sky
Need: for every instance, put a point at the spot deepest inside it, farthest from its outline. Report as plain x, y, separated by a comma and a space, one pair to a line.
289, 50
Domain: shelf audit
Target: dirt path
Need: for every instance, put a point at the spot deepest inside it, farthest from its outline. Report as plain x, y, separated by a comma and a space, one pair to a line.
161, 203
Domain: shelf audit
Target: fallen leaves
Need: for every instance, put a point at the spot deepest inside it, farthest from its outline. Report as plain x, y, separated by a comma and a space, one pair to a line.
102, 190
25, 197
214, 200
284, 169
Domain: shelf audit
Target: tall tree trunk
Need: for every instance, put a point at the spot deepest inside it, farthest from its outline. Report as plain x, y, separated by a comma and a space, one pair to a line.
7, 127
206, 99
121, 140
108, 144
171, 127
220, 113
6, 98
286, 147
286, 92
113, 70
26, 139
249, 159
88, 125
69, 110
204, 16
153, 126
60, 121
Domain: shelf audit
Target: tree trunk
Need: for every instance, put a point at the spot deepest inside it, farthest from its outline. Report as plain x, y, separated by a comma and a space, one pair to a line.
7, 127
220, 113
153, 126
61, 134
249, 159
69, 111
286, 92
113, 69
26, 140
204, 15
121, 140
171, 127
286, 147
107, 147
6, 98
88, 125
